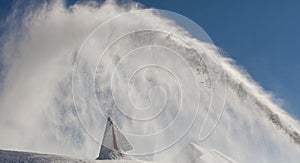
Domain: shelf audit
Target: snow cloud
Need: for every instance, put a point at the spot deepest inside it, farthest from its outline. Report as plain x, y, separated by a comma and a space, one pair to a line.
50, 57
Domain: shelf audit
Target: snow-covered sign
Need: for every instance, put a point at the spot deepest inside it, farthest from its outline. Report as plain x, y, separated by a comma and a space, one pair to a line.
114, 142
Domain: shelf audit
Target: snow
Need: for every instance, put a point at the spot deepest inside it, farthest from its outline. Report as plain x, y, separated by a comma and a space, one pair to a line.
190, 154
37, 110
194, 153
17, 156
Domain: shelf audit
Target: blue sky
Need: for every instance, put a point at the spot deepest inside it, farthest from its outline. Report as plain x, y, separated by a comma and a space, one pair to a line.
262, 36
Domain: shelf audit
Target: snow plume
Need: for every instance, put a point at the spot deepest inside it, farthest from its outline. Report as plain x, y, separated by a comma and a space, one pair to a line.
56, 87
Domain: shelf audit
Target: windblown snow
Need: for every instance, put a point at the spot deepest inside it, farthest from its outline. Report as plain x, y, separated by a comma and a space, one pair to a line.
37, 111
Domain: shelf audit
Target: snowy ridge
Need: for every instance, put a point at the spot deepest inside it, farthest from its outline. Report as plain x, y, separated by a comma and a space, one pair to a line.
17, 156
190, 154
194, 153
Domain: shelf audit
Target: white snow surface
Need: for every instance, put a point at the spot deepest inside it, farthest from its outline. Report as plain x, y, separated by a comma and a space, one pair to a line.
28, 157
190, 154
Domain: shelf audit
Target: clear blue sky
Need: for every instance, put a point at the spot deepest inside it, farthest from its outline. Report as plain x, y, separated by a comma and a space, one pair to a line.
261, 35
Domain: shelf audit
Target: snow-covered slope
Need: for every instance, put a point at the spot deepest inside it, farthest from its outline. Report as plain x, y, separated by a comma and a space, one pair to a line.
193, 153
7, 156
17, 156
